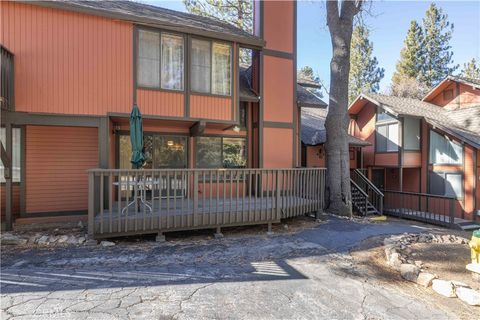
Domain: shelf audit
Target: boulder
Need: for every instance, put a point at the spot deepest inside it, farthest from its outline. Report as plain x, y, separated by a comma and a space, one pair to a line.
107, 243
409, 271
425, 279
468, 295
81, 240
394, 259
10, 239
72, 240
62, 239
43, 241
443, 287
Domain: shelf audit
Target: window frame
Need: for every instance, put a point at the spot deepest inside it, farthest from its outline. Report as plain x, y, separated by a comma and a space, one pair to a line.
195, 151
136, 58
386, 124
211, 41
430, 163
444, 175
419, 133
22, 154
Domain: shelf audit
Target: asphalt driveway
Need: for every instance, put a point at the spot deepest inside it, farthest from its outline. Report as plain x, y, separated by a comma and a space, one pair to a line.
304, 275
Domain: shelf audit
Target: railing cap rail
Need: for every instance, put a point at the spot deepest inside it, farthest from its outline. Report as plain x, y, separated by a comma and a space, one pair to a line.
99, 170
420, 194
358, 187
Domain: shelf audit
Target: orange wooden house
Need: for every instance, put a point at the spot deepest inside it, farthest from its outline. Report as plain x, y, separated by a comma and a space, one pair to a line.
422, 150
71, 72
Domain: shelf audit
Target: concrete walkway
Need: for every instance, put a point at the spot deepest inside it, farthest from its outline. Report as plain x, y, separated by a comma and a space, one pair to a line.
308, 275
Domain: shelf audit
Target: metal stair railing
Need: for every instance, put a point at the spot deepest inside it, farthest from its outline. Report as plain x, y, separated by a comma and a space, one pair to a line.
375, 196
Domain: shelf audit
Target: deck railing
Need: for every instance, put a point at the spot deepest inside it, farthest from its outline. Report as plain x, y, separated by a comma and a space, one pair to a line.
375, 196
123, 202
6, 79
420, 206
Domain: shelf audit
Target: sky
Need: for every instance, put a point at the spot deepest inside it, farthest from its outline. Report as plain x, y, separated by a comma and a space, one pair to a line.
388, 22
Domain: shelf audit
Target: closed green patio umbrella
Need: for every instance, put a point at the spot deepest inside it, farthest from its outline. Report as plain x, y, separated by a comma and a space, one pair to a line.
136, 138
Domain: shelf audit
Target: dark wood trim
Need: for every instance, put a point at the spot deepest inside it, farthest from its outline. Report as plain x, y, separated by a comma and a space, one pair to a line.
8, 178
276, 124
150, 22
135, 58
103, 143
236, 104
187, 80
248, 99
261, 105
198, 128
400, 152
23, 171
279, 54
153, 117
48, 119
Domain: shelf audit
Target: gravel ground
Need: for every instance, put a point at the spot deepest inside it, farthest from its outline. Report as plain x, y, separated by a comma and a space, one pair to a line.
304, 273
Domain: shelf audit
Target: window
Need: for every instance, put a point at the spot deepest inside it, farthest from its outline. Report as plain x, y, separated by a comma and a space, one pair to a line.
201, 65
16, 149
160, 60
220, 152
443, 150
387, 138
446, 184
211, 67
382, 116
411, 133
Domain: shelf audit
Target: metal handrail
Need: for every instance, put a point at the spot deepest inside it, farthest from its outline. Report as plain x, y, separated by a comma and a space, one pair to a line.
358, 188
367, 181
421, 194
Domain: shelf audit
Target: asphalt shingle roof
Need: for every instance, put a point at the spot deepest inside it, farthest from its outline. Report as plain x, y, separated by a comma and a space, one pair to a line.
307, 99
144, 13
313, 128
456, 122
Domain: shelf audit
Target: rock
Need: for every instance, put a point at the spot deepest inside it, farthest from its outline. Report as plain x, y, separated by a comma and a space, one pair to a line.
394, 260
10, 239
458, 284
285, 226
418, 263
72, 240
43, 241
52, 239
107, 243
81, 240
468, 295
443, 287
33, 239
425, 279
62, 239
80, 224
409, 272
91, 242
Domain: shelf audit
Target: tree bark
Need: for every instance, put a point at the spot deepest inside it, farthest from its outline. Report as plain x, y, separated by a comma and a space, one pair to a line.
340, 25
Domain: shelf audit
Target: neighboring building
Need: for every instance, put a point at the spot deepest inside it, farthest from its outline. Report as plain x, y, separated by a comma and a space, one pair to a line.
72, 70
430, 146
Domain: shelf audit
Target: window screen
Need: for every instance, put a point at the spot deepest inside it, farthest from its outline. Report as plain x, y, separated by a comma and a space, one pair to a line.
172, 62
411, 132
444, 151
148, 59
201, 66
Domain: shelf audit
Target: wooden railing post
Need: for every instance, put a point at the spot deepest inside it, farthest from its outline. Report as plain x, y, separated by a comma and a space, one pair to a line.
91, 203
195, 197
277, 196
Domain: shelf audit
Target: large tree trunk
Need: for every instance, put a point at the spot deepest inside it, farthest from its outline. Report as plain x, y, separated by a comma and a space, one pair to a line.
340, 25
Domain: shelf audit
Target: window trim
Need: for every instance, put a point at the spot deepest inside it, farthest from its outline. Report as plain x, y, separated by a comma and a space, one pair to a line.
212, 41
22, 155
195, 148
136, 58
444, 174
430, 163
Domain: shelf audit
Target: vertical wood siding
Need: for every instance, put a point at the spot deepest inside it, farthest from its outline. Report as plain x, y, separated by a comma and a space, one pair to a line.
210, 107
278, 25
57, 160
277, 148
277, 91
163, 103
68, 62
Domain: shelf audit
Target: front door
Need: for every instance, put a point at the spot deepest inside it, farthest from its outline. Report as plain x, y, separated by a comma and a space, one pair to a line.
378, 178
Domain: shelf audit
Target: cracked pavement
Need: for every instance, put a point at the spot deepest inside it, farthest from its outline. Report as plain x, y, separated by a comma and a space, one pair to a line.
304, 275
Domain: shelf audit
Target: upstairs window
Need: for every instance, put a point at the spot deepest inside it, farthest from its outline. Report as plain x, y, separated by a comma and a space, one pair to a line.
411, 133
444, 151
386, 138
211, 67
160, 60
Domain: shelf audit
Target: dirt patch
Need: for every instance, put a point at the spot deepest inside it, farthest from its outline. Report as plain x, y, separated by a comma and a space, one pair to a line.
446, 260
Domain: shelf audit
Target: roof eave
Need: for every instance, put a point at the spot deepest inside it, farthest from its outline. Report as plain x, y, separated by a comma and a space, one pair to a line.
447, 130
256, 43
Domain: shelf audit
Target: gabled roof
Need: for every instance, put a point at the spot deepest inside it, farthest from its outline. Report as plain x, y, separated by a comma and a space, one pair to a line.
434, 115
142, 13
445, 82
304, 82
313, 130
306, 99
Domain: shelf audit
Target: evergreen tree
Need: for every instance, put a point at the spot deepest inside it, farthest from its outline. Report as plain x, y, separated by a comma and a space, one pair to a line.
471, 70
365, 75
409, 67
236, 12
438, 55
307, 73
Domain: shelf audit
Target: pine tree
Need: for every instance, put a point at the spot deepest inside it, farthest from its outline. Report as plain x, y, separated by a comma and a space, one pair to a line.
436, 43
409, 67
307, 73
236, 12
471, 70
365, 75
